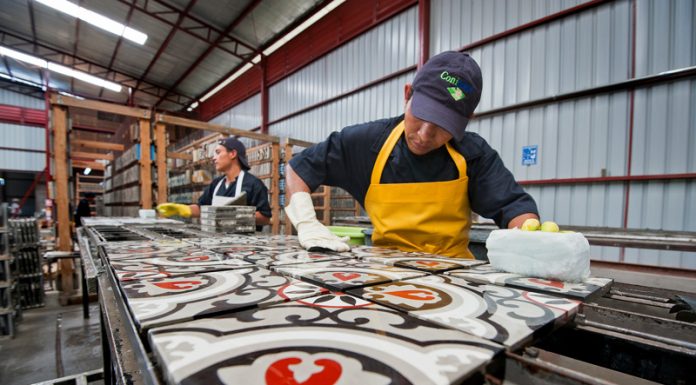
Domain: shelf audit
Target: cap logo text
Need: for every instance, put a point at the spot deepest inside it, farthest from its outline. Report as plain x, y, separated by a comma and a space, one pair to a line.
460, 88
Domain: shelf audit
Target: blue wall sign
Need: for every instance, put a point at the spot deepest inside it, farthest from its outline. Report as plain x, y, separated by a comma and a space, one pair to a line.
529, 155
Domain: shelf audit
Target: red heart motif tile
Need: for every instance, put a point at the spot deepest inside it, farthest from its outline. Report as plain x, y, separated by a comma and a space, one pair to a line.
279, 372
417, 295
346, 276
178, 285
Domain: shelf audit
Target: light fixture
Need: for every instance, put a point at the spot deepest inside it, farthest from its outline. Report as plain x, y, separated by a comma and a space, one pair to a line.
307, 23
97, 20
87, 171
85, 77
192, 106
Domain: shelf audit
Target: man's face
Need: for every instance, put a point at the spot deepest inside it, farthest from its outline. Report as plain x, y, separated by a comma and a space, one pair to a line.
223, 158
421, 136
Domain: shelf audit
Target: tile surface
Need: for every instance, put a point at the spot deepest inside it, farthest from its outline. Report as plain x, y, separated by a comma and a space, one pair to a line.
591, 288
501, 314
194, 261
147, 249
328, 341
166, 300
347, 273
275, 258
421, 261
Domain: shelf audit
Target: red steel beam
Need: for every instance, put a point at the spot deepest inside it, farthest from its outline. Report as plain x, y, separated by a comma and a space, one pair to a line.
264, 97
164, 44
249, 8
32, 187
423, 31
631, 113
605, 179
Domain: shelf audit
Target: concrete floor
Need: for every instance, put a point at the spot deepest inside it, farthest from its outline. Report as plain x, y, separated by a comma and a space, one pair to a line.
51, 342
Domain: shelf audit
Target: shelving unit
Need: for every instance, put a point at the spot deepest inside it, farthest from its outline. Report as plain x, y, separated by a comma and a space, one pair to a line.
264, 161
191, 174
128, 183
88, 184
7, 311
25, 263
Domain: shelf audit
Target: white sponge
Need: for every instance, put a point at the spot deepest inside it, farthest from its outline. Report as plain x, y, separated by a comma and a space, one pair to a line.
560, 256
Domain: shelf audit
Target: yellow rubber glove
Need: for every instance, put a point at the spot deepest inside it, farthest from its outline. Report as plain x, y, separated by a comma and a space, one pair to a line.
172, 209
311, 233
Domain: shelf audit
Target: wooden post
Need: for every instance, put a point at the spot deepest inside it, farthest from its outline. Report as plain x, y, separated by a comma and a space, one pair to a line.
288, 156
145, 165
60, 136
161, 156
275, 188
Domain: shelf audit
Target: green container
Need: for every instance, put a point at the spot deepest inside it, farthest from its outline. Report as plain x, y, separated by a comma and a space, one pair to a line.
357, 237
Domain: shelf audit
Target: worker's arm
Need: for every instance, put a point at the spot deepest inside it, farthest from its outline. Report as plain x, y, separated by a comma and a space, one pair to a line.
517, 221
300, 210
262, 220
195, 211
178, 209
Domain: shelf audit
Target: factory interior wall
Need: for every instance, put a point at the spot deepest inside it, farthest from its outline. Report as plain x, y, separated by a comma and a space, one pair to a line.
577, 138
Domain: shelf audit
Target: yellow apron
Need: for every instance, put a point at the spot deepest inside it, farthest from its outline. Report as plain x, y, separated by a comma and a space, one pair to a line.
431, 217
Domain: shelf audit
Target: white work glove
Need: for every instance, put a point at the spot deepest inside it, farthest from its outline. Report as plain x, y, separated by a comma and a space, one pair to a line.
312, 234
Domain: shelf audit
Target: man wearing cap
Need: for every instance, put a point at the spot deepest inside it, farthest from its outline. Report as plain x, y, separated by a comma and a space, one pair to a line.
230, 159
419, 176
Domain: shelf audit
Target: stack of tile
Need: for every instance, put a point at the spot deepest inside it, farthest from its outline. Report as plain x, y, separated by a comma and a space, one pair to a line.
228, 219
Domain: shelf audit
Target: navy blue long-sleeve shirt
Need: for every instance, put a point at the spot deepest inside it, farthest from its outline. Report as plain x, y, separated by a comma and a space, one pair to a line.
345, 159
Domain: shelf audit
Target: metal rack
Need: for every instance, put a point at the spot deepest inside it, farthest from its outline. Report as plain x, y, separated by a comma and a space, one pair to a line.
639, 325
7, 282
26, 262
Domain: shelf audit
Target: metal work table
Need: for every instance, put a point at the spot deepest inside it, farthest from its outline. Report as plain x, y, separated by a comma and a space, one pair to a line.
605, 343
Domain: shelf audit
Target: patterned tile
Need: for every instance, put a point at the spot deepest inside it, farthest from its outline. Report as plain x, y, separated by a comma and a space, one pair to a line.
591, 288
332, 341
504, 315
197, 261
239, 239
421, 261
147, 249
268, 259
161, 301
347, 273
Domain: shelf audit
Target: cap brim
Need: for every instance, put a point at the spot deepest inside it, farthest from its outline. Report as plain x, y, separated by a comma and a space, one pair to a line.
425, 108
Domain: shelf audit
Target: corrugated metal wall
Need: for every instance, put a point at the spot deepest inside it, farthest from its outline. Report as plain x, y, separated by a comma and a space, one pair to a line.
24, 137
665, 127
383, 50
588, 137
244, 116
584, 137
15, 99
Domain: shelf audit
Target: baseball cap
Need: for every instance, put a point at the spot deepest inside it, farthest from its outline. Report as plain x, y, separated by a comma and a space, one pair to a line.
234, 144
446, 91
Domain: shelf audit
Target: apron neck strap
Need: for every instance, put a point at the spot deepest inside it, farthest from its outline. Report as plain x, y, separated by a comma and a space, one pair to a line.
238, 185
389, 145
